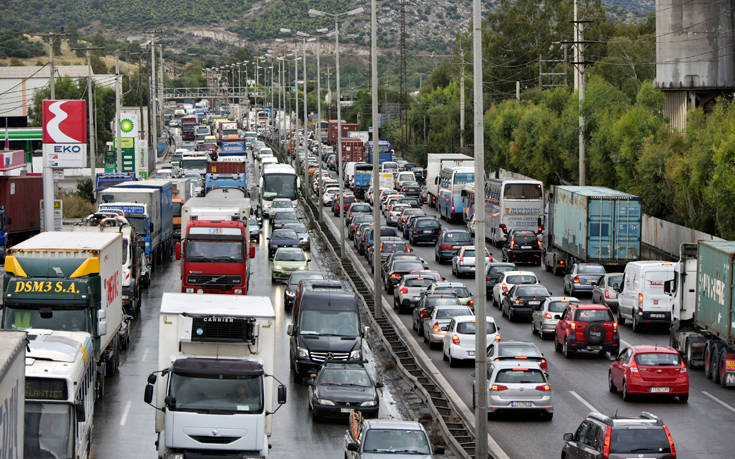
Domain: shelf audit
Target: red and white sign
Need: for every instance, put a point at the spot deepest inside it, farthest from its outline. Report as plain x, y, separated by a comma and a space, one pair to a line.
64, 121
10, 160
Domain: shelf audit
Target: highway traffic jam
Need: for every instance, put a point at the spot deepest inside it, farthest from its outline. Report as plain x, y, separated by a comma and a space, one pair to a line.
199, 310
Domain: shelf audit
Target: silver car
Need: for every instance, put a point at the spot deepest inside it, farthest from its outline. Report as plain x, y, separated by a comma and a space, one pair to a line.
395, 213
604, 291
408, 293
545, 315
437, 324
517, 385
463, 264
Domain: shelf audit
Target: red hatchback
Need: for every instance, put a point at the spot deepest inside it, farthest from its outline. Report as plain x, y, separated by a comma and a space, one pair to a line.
587, 327
653, 370
347, 200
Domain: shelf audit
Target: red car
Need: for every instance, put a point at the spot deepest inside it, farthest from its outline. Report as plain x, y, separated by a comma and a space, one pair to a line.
347, 200
587, 327
654, 370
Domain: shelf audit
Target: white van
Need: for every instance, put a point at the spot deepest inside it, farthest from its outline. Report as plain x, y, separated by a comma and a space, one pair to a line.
642, 299
349, 173
405, 176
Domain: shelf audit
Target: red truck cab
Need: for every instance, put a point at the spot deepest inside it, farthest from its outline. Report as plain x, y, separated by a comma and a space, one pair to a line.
216, 257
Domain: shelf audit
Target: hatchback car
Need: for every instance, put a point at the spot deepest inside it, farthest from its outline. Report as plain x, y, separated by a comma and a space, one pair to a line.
437, 322
521, 299
449, 243
423, 230
582, 278
545, 315
301, 232
357, 208
410, 188
347, 200
388, 246
507, 280
394, 214
340, 388
516, 350
605, 290
254, 228
426, 305
522, 247
292, 285
408, 293
405, 214
649, 370
459, 341
397, 269
458, 288
463, 264
286, 261
586, 327
517, 385
620, 438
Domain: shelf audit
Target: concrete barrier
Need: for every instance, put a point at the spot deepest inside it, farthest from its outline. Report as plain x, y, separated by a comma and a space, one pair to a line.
666, 237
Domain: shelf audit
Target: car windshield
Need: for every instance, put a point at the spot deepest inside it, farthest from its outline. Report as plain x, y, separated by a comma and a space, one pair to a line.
514, 349
520, 376
458, 236
215, 393
520, 279
639, 440
283, 233
48, 430
532, 290
290, 255
281, 204
558, 306
344, 377
43, 316
470, 327
396, 441
590, 269
326, 322
593, 315
614, 280
214, 251
442, 313
418, 282
660, 359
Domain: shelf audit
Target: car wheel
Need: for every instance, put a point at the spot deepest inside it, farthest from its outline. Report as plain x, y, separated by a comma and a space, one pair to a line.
610, 384
452, 362
511, 315
636, 325
557, 345
444, 354
436, 257
621, 319
626, 394
426, 339
568, 353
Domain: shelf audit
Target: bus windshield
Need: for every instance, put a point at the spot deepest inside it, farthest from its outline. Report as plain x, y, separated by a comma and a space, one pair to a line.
279, 186
48, 430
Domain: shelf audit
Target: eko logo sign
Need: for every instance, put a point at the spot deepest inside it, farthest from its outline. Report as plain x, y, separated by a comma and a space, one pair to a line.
65, 133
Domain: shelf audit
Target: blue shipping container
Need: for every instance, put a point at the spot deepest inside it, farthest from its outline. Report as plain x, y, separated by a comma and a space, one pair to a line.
596, 224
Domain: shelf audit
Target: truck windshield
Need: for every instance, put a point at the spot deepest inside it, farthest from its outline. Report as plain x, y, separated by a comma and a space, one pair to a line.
48, 430
213, 393
139, 223
279, 186
464, 177
194, 163
59, 319
214, 251
396, 441
324, 322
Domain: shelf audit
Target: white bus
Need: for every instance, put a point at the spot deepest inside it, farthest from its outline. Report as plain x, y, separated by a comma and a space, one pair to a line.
452, 181
278, 181
60, 394
512, 204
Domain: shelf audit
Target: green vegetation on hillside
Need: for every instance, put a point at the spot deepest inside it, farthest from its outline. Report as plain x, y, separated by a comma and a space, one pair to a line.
14, 44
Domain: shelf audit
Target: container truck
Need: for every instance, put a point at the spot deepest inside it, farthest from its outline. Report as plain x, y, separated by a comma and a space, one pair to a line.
188, 126
12, 393
183, 189
591, 224
214, 385
20, 213
139, 216
352, 150
385, 152
232, 150
435, 162
109, 179
62, 280
346, 127
703, 316
225, 167
224, 181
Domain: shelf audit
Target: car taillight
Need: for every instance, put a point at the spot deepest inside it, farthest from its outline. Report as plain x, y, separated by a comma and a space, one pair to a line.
436, 328
671, 441
395, 276
539, 244
504, 287
544, 364
683, 368
615, 327
423, 313
576, 279
548, 316
452, 207
607, 294
634, 367
461, 259
561, 262
543, 387
517, 302
455, 339
404, 290
415, 231
606, 442
498, 387
640, 298
488, 279
504, 228
445, 247
498, 337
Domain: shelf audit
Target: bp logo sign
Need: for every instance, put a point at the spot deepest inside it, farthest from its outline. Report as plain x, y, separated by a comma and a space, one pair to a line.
126, 125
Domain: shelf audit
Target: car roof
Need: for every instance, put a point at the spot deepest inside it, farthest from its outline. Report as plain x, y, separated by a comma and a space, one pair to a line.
510, 364
471, 318
590, 306
290, 249
393, 424
564, 299
343, 365
519, 273
448, 284
647, 348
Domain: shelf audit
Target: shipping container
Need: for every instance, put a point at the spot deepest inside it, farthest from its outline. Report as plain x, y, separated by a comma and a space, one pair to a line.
20, 211
225, 167
352, 150
714, 310
346, 127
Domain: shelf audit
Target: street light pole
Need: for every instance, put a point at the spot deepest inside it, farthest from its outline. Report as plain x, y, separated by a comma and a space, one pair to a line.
376, 182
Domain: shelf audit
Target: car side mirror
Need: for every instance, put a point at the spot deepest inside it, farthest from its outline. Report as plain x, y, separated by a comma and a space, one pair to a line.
353, 447
290, 330
148, 394
282, 392
178, 250
438, 449
79, 412
568, 436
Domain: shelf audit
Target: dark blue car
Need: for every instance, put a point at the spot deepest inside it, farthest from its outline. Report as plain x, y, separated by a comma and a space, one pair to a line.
424, 230
449, 243
282, 237
367, 242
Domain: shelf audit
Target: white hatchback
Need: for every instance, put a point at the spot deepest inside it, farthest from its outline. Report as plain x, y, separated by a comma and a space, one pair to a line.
459, 341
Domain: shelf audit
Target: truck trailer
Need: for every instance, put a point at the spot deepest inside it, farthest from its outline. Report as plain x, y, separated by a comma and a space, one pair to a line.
20, 214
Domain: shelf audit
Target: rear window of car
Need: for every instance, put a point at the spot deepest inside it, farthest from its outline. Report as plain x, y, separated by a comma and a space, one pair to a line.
591, 269
441, 301
418, 282
654, 359
521, 279
406, 267
458, 236
449, 313
461, 292
532, 290
525, 238
361, 208
469, 253
520, 376
469, 328
394, 247
558, 306
636, 440
388, 232
512, 350
614, 281
497, 270
427, 224
593, 315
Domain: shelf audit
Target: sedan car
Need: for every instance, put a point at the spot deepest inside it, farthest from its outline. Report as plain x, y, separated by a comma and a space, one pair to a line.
282, 238
544, 316
459, 341
410, 188
387, 247
289, 293
394, 214
605, 290
286, 261
520, 300
463, 264
507, 280
408, 293
516, 350
649, 370
449, 243
283, 217
517, 385
582, 278
340, 388
435, 325
301, 232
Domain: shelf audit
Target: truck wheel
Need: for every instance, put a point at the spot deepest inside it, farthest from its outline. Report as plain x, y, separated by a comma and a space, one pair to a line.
114, 362
721, 372
708, 357
636, 325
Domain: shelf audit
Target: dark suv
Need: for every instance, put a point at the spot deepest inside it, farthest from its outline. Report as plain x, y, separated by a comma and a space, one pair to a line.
522, 247
424, 229
587, 327
449, 243
617, 438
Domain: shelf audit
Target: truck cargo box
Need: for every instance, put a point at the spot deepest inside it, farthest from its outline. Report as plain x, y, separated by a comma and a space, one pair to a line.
715, 311
225, 167
596, 224
346, 127
352, 150
12, 392
21, 195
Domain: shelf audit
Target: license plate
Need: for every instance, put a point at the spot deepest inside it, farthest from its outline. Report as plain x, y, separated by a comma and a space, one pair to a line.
521, 404
525, 246
595, 348
655, 301
470, 353
731, 364
660, 389
345, 410
427, 231
534, 302
658, 316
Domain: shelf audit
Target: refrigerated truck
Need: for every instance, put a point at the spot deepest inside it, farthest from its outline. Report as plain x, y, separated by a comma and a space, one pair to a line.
62, 280
216, 361
703, 322
12, 393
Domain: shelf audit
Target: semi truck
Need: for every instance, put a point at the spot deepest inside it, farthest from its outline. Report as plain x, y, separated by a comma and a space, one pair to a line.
353, 150
590, 224
232, 150
225, 181
215, 208
12, 392
62, 280
20, 214
108, 179
703, 316
214, 384
346, 127
435, 162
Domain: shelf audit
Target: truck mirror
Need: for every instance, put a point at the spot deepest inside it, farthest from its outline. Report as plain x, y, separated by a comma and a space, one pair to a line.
667, 286
365, 330
152, 378
178, 250
568, 436
79, 412
148, 394
289, 330
252, 251
281, 394
352, 446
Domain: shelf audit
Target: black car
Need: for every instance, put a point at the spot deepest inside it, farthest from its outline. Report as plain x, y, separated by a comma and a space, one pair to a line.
449, 243
493, 271
405, 256
522, 247
282, 237
521, 299
357, 208
423, 230
283, 217
367, 241
289, 292
410, 220
410, 189
357, 220
339, 388
426, 306
412, 201
396, 270
388, 246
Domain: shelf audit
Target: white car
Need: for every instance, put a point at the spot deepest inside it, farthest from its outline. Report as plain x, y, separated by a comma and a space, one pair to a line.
329, 194
506, 282
279, 205
459, 342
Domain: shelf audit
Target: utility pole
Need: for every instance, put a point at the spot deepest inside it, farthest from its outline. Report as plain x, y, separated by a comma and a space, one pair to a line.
90, 115
319, 126
461, 98
329, 95
153, 110
160, 90
376, 160
579, 65
518, 90
118, 114
306, 117
52, 75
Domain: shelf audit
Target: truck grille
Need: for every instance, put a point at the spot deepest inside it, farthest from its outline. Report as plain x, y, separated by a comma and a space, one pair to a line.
322, 356
213, 280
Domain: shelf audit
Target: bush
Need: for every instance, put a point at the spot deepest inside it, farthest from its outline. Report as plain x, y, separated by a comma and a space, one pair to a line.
76, 206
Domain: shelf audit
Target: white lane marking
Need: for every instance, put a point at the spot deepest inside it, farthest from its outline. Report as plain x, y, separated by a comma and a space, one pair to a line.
126, 410
583, 401
145, 355
718, 401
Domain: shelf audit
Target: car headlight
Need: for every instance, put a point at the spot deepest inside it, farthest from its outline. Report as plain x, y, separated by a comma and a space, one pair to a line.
324, 401
356, 354
369, 403
302, 268
303, 352
290, 293
277, 267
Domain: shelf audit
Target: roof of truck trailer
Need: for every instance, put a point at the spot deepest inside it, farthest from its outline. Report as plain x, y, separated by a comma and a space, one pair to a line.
217, 304
67, 240
596, 191
721, 246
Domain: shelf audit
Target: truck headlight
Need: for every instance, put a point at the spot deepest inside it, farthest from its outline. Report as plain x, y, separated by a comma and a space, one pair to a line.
324, 401
189, 290
303, 352
356, 354
369, 403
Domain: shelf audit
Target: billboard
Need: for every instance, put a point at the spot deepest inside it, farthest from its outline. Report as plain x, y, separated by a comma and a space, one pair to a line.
65, 133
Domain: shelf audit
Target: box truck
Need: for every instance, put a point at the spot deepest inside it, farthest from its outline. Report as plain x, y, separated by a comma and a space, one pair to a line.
20, 213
